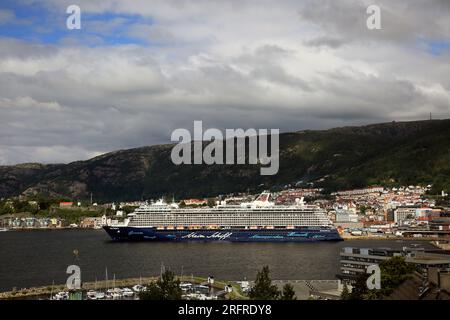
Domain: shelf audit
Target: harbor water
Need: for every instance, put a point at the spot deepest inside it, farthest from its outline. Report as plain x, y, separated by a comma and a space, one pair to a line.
40, 257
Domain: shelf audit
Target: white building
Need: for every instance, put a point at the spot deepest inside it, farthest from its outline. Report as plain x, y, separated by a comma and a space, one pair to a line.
346, 212
404, 213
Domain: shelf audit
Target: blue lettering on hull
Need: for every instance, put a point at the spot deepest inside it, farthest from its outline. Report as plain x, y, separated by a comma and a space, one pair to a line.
238, 235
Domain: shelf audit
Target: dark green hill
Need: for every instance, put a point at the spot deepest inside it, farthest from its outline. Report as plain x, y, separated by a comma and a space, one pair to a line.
387, 154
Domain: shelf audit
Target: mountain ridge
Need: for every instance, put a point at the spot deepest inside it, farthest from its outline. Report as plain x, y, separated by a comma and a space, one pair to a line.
345, 157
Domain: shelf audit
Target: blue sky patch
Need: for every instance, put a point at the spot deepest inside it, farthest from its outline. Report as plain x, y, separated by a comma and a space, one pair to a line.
35, 23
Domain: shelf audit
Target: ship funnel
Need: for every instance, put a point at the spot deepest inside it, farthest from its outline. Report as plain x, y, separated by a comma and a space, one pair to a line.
262, 200
263, 197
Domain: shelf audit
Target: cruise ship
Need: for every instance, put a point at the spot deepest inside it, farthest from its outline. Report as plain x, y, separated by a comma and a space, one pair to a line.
257, 221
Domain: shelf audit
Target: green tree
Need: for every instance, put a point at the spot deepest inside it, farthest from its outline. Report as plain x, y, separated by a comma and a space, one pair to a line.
363, 210
263, 288
443, 201
6, 208
394, 272
128, 209
288, 292
359, 287
168, 198
211, 202
44, 204
345, 295
165, 288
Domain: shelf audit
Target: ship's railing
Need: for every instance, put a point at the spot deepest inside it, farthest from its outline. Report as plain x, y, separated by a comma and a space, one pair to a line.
227, 220
118, 224
277, 209
242, 227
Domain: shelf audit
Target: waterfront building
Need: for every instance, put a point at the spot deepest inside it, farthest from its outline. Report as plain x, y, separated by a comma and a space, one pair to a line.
65, 204
425, 214
368, 190
404, 213
32, 222
289, 195
345, 216
345, 212
349, 225
91, 222
434, 286
390, 216
354, 261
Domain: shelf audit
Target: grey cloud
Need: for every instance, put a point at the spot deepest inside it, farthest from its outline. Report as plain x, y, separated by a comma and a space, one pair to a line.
402, 21
248, 65
325, 42
151, 34
16, 49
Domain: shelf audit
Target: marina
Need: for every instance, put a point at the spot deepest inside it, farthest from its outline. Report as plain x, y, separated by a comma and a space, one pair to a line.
121, 289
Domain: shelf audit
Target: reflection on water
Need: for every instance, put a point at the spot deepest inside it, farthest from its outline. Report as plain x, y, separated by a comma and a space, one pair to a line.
36, 258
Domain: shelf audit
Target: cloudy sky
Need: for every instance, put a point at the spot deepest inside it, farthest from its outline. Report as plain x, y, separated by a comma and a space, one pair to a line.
139, 69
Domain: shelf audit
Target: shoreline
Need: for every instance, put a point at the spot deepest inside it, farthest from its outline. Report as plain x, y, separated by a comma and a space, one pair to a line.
428, 239
105, 284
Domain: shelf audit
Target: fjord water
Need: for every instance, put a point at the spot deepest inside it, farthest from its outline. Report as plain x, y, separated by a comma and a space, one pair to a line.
39, 257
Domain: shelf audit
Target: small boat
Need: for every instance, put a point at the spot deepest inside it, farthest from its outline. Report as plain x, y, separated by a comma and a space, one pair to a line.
109, 294
63, 295
3, 229
117, 290
92, 295
138, 288
116, 295
100, 295
185, 286
195, 296
127, 292
200, 289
